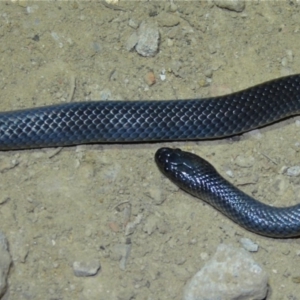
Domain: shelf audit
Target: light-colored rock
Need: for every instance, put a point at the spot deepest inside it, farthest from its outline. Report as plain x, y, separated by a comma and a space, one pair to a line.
230, 274
148, 38
168, 20
235, 5
132, 41
249, 245
293, 171
133, 23
86, 268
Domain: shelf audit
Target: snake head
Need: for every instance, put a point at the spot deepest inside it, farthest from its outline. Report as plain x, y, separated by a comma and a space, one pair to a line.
185, 169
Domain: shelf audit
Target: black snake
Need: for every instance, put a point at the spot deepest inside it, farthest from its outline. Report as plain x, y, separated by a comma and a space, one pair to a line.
144, 121
199, 178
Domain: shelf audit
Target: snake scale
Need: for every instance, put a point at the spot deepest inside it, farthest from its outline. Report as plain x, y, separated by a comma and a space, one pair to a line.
193, 119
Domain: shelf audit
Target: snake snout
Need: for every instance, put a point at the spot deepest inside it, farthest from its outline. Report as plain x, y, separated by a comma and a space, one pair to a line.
165, 159
162, 157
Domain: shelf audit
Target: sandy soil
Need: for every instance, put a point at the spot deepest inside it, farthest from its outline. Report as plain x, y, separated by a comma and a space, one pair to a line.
58, 207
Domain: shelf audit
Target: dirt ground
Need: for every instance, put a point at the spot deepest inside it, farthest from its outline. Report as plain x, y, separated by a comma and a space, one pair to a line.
59, 206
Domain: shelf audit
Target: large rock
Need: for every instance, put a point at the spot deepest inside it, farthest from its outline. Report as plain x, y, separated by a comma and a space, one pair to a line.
230, 274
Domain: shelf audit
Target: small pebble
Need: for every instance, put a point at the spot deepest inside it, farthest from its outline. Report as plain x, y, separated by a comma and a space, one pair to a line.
84, 269
150, 78
173, 33
208, 73
293, 171
172, 7
132, 41
249, 245
148, 39
105, 95
234, 5
162, 75
244, 161
203, 82
114, 226
133, 24
168, 20
229, 173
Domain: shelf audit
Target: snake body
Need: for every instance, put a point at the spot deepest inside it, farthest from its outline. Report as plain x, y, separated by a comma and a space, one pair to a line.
145, 121
199, 178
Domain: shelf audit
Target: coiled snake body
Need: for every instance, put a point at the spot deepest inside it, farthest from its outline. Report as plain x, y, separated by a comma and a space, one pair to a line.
143, 121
